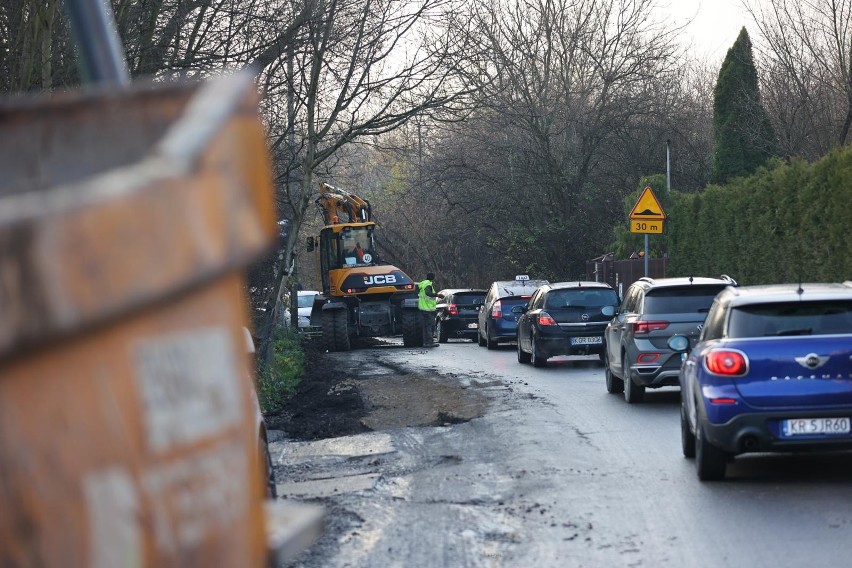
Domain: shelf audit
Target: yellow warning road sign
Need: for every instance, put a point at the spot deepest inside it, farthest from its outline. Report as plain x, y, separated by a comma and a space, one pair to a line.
647, 208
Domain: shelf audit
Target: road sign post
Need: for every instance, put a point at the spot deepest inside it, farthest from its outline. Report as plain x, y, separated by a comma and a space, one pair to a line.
647, 217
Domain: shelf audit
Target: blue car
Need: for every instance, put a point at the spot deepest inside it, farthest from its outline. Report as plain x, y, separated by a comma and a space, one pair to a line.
770, 372
497, 321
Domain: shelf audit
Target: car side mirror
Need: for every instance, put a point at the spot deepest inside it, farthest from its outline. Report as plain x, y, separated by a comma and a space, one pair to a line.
608, 311
678, 343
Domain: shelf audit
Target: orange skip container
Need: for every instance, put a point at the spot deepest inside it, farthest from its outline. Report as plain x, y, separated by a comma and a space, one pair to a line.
127, 433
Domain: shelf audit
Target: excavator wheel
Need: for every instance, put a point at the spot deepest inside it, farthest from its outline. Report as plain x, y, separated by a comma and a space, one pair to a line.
334, 330
412, 328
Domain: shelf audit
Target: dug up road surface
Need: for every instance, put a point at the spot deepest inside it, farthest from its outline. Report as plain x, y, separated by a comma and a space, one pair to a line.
381, 443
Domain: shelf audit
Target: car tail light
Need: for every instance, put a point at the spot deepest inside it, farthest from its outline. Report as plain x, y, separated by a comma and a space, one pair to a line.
497, 310
647, 358
544, 318
727, 362
643, 327
452, 309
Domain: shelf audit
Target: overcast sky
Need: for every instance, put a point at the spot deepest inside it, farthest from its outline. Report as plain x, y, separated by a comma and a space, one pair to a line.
715, 23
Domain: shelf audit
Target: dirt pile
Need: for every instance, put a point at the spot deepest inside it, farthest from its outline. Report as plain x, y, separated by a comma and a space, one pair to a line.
335, 399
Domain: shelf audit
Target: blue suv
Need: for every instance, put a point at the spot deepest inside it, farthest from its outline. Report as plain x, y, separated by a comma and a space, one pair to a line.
771, 372
497, 322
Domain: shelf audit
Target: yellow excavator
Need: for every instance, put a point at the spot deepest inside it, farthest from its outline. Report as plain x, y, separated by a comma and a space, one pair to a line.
361, 296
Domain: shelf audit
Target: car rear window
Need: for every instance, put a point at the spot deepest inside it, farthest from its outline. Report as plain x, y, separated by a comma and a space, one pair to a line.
515, 300
578, 298
518, 287
791, 318
681, 299
306, 300
468, 298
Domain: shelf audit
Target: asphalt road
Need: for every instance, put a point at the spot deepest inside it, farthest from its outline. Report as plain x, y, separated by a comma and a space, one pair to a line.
560, 473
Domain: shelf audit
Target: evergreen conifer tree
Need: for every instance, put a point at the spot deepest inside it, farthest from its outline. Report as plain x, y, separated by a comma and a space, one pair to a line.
744, 137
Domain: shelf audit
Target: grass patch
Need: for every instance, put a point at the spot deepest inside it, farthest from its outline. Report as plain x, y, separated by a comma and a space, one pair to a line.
278, 379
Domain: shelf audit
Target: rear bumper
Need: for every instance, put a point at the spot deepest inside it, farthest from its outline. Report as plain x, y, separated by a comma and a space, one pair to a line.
502, 330
654, 376
763, 432
553, 346
459, 327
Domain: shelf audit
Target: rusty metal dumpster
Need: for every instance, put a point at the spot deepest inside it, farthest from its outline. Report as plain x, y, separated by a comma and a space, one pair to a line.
126, 220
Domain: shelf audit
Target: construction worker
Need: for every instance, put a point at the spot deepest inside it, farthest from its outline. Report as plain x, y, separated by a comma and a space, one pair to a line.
426, 303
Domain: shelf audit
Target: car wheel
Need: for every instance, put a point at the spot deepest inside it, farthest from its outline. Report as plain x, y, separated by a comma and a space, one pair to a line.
536, 359
442, 332
490, 343
480, 339
633, 393
614, 385
523, 356
687, 438
711, 460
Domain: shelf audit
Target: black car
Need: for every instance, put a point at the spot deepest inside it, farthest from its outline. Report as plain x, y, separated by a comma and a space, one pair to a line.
566, 318
456, 313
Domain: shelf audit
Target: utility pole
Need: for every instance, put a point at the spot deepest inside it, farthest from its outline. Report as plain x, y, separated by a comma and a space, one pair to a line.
668, 165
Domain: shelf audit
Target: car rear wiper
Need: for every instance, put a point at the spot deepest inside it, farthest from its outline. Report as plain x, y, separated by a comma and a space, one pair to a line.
799, 331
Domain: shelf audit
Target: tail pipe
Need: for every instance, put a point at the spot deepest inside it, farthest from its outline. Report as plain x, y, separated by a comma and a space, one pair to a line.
749, 442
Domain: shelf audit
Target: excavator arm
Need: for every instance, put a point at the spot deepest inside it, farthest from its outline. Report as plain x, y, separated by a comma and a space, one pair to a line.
333, 203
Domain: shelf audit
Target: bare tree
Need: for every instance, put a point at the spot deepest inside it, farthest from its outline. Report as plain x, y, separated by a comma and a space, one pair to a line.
563, 85
366, 68
807, 49
34, 53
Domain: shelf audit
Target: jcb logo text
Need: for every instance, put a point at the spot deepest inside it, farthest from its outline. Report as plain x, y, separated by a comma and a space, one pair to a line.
380, 279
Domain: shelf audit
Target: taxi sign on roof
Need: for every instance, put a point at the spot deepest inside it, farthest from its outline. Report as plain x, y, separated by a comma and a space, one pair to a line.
647, 208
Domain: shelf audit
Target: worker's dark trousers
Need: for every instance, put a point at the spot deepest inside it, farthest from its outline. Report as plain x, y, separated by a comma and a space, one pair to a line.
428, 327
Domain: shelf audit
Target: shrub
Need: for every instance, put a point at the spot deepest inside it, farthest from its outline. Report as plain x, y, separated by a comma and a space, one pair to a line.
279, 378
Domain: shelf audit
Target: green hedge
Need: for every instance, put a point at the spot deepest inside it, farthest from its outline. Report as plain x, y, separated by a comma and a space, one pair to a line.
786, 223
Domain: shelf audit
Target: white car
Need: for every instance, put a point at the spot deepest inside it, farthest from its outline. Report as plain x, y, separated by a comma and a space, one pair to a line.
305, 303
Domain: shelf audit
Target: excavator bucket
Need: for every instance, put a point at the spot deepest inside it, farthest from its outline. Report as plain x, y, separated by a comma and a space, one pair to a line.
127, 431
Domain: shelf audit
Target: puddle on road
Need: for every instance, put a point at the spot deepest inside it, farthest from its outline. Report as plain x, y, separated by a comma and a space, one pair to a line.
371, 444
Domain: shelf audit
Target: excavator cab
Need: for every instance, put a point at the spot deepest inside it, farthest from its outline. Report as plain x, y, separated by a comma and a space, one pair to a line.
344, 247
357, 246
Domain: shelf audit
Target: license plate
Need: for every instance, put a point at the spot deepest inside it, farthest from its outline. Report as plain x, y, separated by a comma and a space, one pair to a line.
586, 340
809, 426
473, 325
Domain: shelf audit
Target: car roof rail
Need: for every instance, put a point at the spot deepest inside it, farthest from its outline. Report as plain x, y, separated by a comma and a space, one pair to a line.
728, 279
848, 283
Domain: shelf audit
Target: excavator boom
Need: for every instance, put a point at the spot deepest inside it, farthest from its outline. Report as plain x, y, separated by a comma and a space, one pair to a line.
334, 202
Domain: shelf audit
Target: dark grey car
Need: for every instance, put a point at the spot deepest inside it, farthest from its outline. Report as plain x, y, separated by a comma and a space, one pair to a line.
637, 355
